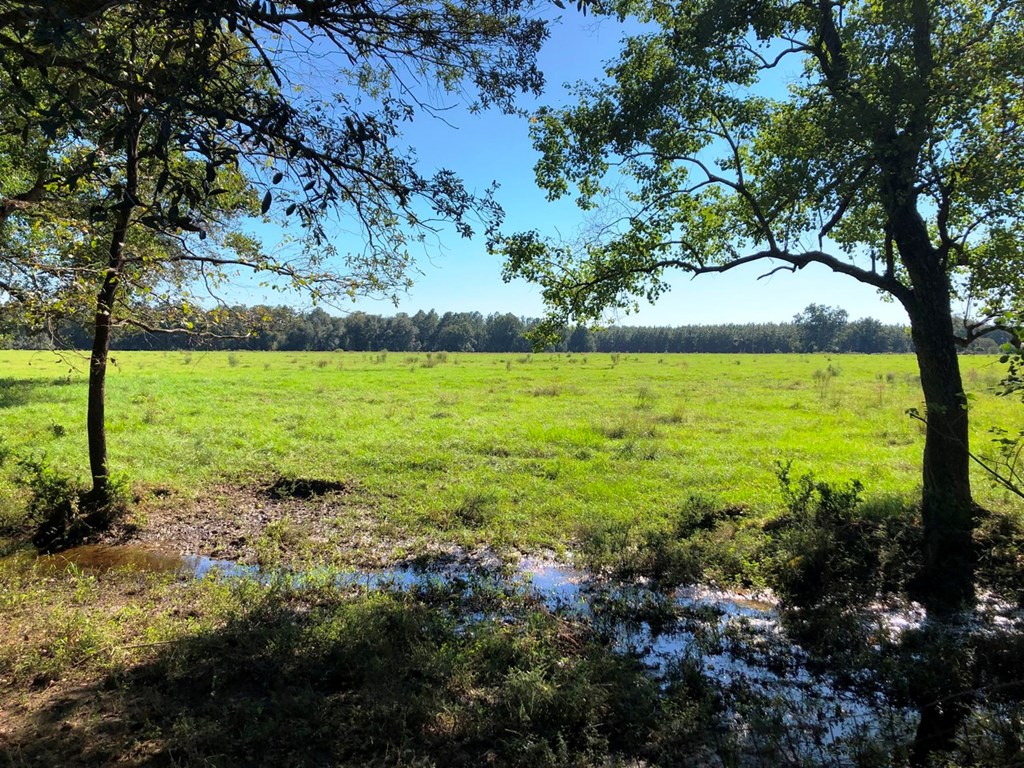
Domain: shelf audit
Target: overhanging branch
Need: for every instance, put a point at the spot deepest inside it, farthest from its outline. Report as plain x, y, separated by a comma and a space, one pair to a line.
178, 331
793, 262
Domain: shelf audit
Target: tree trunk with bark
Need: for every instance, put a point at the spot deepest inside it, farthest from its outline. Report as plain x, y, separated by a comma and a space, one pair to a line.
97, 427
946, 583
100, 494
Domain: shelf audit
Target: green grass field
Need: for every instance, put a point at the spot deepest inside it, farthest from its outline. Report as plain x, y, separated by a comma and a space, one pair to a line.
596, 454
510, 450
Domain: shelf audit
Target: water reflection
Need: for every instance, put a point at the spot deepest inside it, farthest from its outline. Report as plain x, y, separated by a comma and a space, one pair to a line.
100, 558
776, 697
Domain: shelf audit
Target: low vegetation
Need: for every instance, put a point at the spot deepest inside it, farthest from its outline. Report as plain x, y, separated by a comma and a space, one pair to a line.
144, 670
738, 471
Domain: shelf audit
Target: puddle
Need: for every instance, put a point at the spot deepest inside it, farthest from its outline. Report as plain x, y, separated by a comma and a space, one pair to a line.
737, 639
99, 558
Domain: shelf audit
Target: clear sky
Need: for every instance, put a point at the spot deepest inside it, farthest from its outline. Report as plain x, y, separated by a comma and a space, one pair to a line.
458, 275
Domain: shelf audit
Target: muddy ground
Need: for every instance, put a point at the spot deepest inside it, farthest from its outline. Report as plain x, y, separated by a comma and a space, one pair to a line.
289, 522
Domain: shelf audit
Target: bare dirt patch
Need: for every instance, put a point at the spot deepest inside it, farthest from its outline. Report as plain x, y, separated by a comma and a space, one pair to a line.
283, 522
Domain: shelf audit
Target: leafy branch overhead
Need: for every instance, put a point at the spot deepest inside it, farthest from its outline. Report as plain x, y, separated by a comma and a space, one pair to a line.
879, 140
238, 109
791, 134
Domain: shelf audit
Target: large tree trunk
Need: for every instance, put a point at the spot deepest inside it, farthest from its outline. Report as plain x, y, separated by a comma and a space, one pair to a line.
947, 581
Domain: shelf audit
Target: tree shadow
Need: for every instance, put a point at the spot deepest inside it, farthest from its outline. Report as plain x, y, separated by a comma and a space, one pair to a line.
381, 678
17, 392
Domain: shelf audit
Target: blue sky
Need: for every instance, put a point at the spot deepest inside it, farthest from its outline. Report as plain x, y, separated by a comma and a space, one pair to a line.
458, 275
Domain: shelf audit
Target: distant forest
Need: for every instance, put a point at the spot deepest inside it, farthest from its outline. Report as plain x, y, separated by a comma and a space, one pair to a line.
816, 329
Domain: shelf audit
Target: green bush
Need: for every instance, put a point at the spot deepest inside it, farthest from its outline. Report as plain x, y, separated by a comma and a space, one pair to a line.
701, 540
999, 541
61, 510
830, 549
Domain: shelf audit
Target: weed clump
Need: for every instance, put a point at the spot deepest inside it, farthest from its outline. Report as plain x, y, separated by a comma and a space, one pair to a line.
434, 359
699, 542
830, 549
476, 509
61, 511
547, 390
999, 542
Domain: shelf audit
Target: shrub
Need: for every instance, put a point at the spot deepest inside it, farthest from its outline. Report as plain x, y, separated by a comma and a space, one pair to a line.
999, 539
61, 509
694, 543
829, 549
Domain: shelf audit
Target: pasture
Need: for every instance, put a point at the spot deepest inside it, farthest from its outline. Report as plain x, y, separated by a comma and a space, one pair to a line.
658, 466
520, 451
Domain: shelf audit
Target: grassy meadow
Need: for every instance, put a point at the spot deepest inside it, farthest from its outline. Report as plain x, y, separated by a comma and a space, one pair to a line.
518, 451
658, 466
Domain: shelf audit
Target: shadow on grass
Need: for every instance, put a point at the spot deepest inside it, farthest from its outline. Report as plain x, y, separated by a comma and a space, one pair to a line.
15, 392
383, 678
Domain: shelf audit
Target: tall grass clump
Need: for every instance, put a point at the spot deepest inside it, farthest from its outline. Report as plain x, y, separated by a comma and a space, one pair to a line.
701, 540
830, 549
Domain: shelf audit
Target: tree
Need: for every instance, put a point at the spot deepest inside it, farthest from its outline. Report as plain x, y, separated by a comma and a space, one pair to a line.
361, 331
504, 333
399, 333
819, 327
426, 328
880, 140
581, 340
459, 331
866, 335
148, 129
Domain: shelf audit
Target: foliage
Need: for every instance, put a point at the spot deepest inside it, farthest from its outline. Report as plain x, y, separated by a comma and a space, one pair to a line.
819, 327
701, 542
1000, 543
993, 737
1013, 358
1008, 470
286, 328
702, 171
61, 510
826, 551
175, 117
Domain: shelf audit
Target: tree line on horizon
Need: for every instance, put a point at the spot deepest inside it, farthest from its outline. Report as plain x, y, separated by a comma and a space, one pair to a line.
281, 328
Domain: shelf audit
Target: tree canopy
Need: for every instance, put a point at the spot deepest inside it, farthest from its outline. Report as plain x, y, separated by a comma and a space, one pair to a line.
298, 105
879, 139
737, 133
140, 135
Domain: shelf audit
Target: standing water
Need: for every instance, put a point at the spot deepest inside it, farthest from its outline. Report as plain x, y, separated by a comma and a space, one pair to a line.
767, 683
